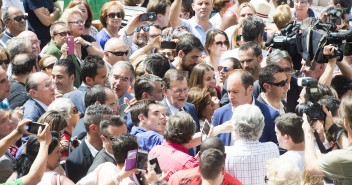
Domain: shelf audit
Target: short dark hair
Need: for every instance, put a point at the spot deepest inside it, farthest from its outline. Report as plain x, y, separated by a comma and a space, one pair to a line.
180, 128
140, 107
23, 66
172, 75
189, 42
121, 145
332, 103
236, 64
114, 120
70, 66
266, 75
145, 83
246, 77
157, 64
252, 27
95, 114
94, 94
291, 124
158, 6
214, 143
90, 66
211, 163
341, 84
251, 45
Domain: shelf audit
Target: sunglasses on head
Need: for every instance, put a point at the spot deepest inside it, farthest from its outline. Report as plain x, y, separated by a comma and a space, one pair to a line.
279, 84
20, 17
74, 110
65, 33
119, 53
49, 66
226, 69
238, 38
113, 15
144, 28
6, 61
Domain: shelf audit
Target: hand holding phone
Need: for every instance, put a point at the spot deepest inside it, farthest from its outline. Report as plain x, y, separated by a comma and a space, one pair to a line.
142, 160
155, 162
70, 44
149, 16
33, 127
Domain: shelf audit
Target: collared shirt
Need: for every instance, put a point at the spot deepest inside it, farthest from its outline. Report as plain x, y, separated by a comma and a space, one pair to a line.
45, 107
253, 103
91, 148
197, 29
147, 139
173, 157
173, 109
6, 37
246, 160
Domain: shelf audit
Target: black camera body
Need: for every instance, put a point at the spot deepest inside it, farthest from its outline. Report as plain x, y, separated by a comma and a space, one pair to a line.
312, 108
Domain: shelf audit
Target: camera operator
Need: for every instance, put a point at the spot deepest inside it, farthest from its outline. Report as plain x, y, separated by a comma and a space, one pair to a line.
337, 164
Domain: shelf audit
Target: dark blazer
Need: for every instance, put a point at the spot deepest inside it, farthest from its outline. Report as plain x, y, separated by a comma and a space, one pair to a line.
32, 110
80, 130
101, 158
78, 162
224, 114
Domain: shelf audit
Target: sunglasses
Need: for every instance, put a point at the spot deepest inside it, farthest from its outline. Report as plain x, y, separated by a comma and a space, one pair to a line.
113, 15
63, 34
20, 17
6, 61
110, 138
74, 110
144, 28
238, 38
77, 22
279, 84
119, 53
220, 43
226, 69
49, 66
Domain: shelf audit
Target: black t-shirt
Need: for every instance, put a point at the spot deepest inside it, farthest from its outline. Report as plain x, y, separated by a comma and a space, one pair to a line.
83, 49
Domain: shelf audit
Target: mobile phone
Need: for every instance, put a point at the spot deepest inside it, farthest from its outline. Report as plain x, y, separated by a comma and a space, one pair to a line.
168, 45
71, 45
206, 127
149, 16
157, 166
142, 159
33, 127
265, 36
131, 160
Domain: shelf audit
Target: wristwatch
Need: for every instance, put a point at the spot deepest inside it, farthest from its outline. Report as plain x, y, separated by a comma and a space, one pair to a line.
87, 44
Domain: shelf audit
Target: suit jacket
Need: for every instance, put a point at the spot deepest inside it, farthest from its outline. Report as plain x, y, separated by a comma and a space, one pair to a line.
224, 114
78, 162
79, 130
101, 158
7, 162
77, 98
32, 110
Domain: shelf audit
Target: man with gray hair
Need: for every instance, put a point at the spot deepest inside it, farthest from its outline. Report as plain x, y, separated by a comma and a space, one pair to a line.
121, 77
79, 161
247, 154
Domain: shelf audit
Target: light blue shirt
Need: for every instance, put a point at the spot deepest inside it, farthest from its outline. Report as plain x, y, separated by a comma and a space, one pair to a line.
196, 29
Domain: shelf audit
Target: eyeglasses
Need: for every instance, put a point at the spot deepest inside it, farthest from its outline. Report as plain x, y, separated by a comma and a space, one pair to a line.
222, 43
20, 17
6, 61
238, 38
49, 66
63, 34
287, 69
109, 138
226, 69
279, 84
77, 22
179, 91
302, 2
124, 79
119, 53
74, 110
113, 15
153, 36
144, 28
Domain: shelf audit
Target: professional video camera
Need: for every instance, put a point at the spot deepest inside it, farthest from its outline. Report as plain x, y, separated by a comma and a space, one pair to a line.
312, 108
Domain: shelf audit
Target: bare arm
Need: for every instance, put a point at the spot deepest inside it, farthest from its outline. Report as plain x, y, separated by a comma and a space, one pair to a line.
93, 49
39, 165
155, 43
175, 11
344, 66
46, 18
326, 77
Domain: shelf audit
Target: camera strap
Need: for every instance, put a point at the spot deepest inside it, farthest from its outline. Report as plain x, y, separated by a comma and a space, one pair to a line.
319, 143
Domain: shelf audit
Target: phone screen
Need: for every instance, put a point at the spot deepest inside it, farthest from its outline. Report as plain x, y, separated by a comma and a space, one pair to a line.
70, 45
142, 159
157, 166
33, 127
206, 127
131, 160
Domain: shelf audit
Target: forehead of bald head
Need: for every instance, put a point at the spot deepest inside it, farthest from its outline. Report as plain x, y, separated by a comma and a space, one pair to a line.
244, 76
115, 44
9, 11
27, 34
34, 79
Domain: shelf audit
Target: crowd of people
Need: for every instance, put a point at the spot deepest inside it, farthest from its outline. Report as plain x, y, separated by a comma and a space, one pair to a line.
190, 83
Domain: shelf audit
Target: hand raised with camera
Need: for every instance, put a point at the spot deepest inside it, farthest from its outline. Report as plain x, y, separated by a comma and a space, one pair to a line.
329, 50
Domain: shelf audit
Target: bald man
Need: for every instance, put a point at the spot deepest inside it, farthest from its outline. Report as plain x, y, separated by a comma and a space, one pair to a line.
34, 41
115, 50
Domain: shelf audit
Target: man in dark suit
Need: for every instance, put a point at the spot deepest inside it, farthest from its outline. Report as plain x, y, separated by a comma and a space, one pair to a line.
239, 88
176, 94
79, 161
41, 94
109, 129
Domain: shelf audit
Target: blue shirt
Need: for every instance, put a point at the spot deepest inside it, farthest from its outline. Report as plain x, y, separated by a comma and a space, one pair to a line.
196, 29
147, 139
